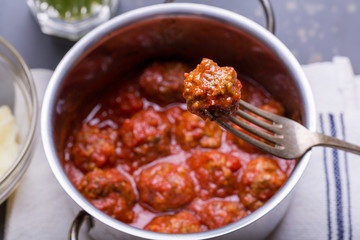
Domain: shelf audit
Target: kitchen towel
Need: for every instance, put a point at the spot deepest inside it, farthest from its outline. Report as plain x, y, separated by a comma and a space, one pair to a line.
326, 203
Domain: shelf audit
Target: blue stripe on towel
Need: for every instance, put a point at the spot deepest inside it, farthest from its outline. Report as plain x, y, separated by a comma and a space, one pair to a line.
327, 183
338, 191
347, 176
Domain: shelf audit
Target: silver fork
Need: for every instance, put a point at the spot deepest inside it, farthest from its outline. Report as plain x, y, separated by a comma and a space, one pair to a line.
285, 138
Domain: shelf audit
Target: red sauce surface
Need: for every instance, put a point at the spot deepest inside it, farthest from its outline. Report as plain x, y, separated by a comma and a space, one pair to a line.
146, 161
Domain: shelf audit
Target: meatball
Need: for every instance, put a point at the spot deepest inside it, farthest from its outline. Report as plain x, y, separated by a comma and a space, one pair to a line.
111, 192
218, 213
125, 100
252, 92
164, 81
212, 88
242, 144
260, 181
214, 172
94, 147
145, 136
165, 186
273, 107
182, 222
192, 131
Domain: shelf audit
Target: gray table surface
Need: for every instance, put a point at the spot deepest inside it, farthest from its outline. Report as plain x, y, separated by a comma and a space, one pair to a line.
314, 30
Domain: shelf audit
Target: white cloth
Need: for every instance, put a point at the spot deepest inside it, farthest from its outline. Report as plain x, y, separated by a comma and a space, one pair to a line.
326, 204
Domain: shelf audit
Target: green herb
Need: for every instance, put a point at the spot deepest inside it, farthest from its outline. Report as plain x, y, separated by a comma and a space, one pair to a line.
73, 9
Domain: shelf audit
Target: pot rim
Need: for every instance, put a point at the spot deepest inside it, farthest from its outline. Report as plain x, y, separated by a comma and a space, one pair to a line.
144, 13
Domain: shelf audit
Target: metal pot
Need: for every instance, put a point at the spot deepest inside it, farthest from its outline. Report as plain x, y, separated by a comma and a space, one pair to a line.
185, 31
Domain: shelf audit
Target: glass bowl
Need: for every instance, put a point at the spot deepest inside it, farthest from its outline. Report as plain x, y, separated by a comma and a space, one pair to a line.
17, 90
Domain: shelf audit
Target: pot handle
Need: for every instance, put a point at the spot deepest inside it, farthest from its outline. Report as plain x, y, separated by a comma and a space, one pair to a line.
269, 14
76, 224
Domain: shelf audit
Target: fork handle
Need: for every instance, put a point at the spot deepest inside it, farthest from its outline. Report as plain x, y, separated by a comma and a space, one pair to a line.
328, 141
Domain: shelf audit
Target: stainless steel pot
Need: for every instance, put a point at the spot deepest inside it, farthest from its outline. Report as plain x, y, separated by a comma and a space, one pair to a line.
183, 31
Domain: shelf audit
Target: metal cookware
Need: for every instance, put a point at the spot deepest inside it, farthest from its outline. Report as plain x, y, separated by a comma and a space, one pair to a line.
183, 31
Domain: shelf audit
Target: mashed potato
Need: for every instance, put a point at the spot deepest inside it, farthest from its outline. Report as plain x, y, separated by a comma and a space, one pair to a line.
9, 146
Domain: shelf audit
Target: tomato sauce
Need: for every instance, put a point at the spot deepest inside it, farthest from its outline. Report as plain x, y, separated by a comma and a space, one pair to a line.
139, 156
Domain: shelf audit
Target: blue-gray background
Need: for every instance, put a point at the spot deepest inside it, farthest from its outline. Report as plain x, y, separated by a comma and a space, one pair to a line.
314, 30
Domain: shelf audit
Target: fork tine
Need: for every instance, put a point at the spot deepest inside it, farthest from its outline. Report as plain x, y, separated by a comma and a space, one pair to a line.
261, 113
264, 146
260, 123
264, 135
